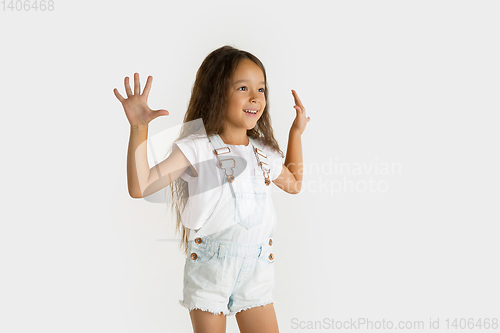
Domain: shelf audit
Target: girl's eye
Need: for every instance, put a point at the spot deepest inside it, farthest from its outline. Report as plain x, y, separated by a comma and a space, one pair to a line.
260, 89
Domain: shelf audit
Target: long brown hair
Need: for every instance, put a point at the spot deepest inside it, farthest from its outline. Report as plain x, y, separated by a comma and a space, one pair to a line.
209, 102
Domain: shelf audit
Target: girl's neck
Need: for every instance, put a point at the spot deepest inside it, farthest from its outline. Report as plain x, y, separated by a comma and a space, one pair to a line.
240, 139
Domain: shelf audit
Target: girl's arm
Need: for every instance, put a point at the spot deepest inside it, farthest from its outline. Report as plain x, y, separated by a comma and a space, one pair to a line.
290, 179
143, 181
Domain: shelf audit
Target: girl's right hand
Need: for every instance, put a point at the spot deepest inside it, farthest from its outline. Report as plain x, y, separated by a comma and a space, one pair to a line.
136, 107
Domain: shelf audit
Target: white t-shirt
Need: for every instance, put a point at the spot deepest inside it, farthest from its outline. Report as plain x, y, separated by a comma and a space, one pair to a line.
205, 190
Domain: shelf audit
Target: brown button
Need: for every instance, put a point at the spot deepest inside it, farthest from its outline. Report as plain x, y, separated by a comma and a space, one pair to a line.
271, 256
197, 240
271, 241
194, 256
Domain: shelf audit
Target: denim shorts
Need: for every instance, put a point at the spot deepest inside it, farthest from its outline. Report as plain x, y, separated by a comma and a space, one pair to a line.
224, 277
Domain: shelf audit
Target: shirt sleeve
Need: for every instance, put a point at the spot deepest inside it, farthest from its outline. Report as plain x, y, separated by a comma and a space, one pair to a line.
188, 148
275, 162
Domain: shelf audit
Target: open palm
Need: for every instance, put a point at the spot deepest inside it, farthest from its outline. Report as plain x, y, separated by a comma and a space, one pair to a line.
136, 105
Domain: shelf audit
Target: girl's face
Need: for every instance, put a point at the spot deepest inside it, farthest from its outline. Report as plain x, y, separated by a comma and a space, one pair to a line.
245, 100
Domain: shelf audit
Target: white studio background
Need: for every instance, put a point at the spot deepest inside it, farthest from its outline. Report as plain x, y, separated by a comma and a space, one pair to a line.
398, 217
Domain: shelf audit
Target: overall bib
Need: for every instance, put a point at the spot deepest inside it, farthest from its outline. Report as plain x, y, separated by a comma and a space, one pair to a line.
230, 265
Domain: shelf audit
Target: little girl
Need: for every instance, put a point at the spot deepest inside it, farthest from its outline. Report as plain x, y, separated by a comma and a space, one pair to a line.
220, 174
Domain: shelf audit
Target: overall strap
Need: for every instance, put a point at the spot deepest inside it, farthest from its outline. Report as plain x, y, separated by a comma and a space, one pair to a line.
261, 158
225, 162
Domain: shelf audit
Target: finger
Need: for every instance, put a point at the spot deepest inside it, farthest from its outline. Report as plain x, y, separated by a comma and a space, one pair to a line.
127, 87
117, 94
297, 99
147, 88
161, 112
298, 108
137, 84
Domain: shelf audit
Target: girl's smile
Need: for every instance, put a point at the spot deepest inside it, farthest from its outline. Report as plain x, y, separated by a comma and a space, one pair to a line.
251, 112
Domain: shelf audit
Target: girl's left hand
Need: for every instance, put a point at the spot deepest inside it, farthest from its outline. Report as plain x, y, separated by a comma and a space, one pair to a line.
299, 124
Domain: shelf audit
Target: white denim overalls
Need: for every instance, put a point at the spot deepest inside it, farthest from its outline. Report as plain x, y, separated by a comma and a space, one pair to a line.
230, 265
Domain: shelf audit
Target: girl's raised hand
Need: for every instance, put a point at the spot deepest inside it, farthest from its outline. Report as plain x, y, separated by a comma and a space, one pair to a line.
299, 124
136, 105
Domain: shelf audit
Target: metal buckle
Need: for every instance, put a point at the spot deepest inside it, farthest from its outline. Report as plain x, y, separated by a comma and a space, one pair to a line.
261, 164
258, 151
227, 159
217, 153
230, 177
265, 172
